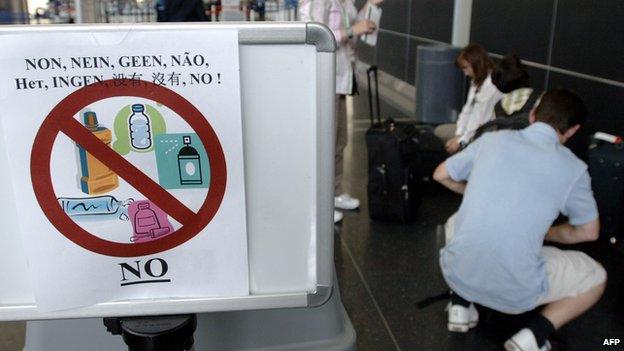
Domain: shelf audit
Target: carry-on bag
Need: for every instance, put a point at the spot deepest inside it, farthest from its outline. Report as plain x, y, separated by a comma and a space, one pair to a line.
392, 165
606, 167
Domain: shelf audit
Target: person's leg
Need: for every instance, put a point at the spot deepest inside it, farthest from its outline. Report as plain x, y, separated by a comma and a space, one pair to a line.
562, 311
458, 300
462, 314
449, 228
342, 200
445, 131
341, 142
340, 126
575, 283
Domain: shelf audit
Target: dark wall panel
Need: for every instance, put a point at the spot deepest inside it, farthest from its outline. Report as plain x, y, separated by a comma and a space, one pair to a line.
589, 38
391, 53
505, 26
432, 19
394, 15
605, 103
537, 78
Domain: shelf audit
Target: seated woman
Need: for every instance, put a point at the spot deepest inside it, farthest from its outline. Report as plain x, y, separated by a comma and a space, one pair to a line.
474, 61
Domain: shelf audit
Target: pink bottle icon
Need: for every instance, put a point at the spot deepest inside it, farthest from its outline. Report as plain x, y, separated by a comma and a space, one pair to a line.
148, 221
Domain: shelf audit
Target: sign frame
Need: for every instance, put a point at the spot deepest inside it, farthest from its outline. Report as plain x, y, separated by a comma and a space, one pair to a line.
273, 36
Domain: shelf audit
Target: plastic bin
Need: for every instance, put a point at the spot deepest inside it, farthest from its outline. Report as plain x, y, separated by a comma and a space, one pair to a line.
440, 85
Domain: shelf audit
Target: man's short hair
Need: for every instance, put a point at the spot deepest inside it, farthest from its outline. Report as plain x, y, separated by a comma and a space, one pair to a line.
561, 109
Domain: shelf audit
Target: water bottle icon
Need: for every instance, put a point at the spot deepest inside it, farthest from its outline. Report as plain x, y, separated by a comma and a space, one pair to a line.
140, 129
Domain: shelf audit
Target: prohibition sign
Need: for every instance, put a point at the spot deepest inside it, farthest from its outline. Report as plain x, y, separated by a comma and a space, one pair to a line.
61, 119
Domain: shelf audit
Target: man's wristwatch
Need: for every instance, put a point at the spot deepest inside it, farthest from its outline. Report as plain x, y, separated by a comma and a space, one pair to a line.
349, 33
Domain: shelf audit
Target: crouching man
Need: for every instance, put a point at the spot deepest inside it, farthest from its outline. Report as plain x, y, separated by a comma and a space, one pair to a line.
515, 184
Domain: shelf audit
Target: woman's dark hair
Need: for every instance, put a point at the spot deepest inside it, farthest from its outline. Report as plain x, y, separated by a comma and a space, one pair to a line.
510, 74
562, 109
478, 59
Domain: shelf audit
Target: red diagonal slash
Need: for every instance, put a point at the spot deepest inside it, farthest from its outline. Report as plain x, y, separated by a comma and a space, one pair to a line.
137, 179
61, 119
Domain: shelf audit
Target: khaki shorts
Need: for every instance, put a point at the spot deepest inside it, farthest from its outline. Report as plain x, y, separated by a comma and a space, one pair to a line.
569, 273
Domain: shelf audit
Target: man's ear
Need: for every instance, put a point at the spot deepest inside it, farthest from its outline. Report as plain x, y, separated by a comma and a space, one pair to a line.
532, 116
571, 131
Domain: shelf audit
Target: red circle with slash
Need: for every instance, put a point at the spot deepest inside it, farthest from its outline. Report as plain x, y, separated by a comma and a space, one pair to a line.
61, 119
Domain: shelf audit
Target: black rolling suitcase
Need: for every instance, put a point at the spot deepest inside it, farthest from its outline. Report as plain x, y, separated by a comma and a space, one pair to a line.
606, 167
399, 163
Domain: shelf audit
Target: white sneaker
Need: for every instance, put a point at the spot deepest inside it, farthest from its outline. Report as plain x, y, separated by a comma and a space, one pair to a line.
461, 319
338, 216
524, 340
346, 202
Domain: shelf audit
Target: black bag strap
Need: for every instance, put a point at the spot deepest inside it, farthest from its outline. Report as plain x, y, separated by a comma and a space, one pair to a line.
498, 109
433, 299
530, 103
373, 70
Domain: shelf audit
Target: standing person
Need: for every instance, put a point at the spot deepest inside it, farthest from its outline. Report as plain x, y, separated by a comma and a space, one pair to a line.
180, 11
515, 184
347, 24
474, 61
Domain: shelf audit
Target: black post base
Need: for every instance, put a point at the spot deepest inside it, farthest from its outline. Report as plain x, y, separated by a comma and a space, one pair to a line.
154, 333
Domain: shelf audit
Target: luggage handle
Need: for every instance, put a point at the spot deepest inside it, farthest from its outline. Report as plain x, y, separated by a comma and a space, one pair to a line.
373, 69
601, 137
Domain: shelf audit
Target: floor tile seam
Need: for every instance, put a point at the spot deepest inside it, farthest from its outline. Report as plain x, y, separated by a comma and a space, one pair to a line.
370, 294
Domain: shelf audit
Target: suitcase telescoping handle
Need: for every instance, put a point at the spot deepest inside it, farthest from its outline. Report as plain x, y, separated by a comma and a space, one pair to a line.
610, 138
369, 71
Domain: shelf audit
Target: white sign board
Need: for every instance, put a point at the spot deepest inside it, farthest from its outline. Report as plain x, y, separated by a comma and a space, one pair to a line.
126, 163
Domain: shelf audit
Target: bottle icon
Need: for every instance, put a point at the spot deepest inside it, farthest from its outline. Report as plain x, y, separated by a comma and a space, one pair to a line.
145, 219
91, 207
95, 177
140, 129
189, 164
148, 223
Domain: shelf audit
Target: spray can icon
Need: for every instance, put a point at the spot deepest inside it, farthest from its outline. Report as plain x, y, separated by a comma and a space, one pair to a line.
140, 128
189, 163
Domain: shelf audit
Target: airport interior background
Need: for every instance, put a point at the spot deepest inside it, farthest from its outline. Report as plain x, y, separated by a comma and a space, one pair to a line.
384, 269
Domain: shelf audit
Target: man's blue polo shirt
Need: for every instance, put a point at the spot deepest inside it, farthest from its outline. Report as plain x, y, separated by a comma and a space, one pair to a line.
518, 183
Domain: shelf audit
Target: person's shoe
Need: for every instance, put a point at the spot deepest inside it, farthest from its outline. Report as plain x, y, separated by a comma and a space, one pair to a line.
337, 216
524, 340
346, 202
461, 319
